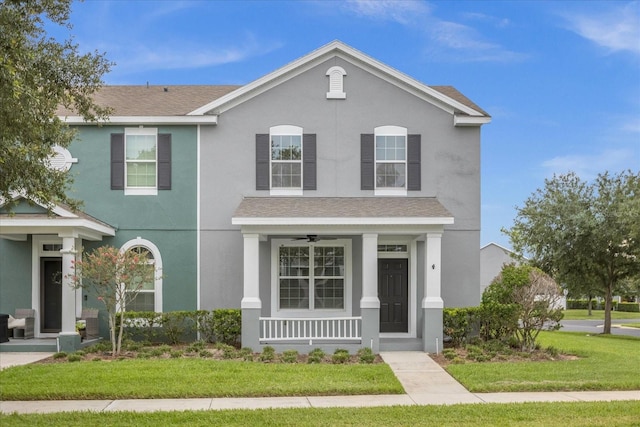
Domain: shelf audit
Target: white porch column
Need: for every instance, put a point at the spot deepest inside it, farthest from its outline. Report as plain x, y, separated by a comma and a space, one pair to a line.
68, 339
251, 304
432, 303
251, 284
370, 303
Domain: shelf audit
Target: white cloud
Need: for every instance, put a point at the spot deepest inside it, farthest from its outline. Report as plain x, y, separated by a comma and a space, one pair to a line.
617, 30
446, 40
183, 55
401, 11
588, 166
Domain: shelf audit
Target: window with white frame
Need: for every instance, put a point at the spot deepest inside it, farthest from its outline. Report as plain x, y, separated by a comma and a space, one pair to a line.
149, 296
312, 277
141, 160
286, 157
391, 157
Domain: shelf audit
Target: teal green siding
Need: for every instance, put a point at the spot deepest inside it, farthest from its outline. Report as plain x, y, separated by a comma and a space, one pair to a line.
15, 275
169, 220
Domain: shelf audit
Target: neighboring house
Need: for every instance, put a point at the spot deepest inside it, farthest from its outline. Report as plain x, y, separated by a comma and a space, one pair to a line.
336, 201
492, 258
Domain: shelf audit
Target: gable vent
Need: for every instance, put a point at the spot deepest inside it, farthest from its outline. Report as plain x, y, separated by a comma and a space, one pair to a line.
61, 159
336, 86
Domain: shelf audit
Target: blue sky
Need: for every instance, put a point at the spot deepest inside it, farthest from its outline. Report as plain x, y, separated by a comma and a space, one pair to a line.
560, 78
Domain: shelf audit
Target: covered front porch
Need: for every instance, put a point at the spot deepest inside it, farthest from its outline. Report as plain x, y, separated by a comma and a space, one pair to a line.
46, 244
342, 273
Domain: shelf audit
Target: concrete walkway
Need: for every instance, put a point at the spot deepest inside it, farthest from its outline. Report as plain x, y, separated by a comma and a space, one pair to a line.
424, 381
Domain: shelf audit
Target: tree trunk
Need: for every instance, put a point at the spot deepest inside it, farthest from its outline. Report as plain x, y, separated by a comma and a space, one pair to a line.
608, 298
589, 305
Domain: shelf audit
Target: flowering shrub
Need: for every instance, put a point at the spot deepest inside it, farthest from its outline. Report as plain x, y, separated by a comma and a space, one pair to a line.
115, 277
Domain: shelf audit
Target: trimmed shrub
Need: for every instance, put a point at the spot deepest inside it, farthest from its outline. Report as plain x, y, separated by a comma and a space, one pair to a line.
365, 355
629, 307
268, 354
458, 323
227, 325
340, 356
290, 356
316, 355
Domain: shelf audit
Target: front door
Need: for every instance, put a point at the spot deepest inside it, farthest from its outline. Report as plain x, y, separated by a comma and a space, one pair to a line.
393, 292
50, 294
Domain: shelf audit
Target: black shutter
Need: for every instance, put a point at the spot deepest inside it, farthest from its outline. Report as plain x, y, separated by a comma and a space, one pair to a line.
413, 163
309, 161
164, 161
117, 161
367, 161
263, 156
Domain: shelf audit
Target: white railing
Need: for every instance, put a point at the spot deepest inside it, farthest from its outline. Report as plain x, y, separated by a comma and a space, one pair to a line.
274, 329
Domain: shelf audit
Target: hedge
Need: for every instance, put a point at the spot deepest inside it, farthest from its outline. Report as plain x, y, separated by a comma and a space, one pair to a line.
632, 307
582, 304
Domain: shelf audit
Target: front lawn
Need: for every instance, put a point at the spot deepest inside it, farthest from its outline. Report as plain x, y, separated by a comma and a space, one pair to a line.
182, 378
597, 315
605, 362
523, 414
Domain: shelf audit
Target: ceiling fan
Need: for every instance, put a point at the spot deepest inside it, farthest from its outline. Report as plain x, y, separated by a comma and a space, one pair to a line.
312, 238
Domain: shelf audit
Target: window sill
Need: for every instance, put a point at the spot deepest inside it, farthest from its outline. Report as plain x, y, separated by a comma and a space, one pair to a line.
390, 192
140, 191
286, 192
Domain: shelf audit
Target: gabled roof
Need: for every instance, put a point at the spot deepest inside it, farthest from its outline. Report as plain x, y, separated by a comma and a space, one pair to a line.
446, 97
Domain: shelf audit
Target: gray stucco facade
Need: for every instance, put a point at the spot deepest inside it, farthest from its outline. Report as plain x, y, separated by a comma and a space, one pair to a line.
450, 173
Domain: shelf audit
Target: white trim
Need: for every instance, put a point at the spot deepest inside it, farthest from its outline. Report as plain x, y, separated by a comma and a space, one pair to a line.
81, 227
390, 130
459, 120
209, 119
286, 130
134, 191
311, 313
283, 191
157, 285
67, 158
341, 50
343, 221
198, 219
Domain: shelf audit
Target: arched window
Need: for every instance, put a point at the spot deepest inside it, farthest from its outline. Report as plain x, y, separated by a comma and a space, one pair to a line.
149, 298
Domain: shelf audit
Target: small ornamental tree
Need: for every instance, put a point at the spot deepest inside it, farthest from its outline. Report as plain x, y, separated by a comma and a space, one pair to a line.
532, 297
115, 277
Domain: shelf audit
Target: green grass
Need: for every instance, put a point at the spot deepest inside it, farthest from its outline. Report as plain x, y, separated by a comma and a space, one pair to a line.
523, 414
606, 362
182, 378
598, 315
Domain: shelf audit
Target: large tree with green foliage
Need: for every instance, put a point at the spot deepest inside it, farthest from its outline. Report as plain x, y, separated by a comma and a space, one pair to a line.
583, 232
37, 75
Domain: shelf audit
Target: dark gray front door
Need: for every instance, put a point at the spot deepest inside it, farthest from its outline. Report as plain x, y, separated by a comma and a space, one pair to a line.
50, 294
393, 292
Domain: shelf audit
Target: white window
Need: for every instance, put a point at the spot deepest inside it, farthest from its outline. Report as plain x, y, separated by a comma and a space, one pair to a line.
312, 277
286, 157
141, 160
391, 160
149, 298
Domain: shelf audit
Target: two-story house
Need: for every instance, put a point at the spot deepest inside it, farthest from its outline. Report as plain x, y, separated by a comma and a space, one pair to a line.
336, 201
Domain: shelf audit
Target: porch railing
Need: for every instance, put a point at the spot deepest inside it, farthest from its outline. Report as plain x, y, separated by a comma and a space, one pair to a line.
274, 329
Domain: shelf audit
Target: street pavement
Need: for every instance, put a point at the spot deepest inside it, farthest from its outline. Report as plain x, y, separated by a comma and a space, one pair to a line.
596, 326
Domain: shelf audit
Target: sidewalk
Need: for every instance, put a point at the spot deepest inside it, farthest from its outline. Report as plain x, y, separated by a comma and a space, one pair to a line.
424, 381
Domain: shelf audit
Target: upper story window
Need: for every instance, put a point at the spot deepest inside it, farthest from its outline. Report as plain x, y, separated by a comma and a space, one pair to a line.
140, 161
149, 296
390, 162
285, 161
286, 157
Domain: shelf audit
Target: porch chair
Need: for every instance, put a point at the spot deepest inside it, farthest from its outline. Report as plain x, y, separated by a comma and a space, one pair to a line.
26, 331
90, 316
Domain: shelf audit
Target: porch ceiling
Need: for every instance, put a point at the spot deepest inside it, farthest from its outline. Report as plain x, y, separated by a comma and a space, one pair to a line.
336, 212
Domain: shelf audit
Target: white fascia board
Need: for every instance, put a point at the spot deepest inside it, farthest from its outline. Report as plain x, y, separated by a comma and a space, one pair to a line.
54, 225
345, 52
344, 221
209, 119
470, 121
